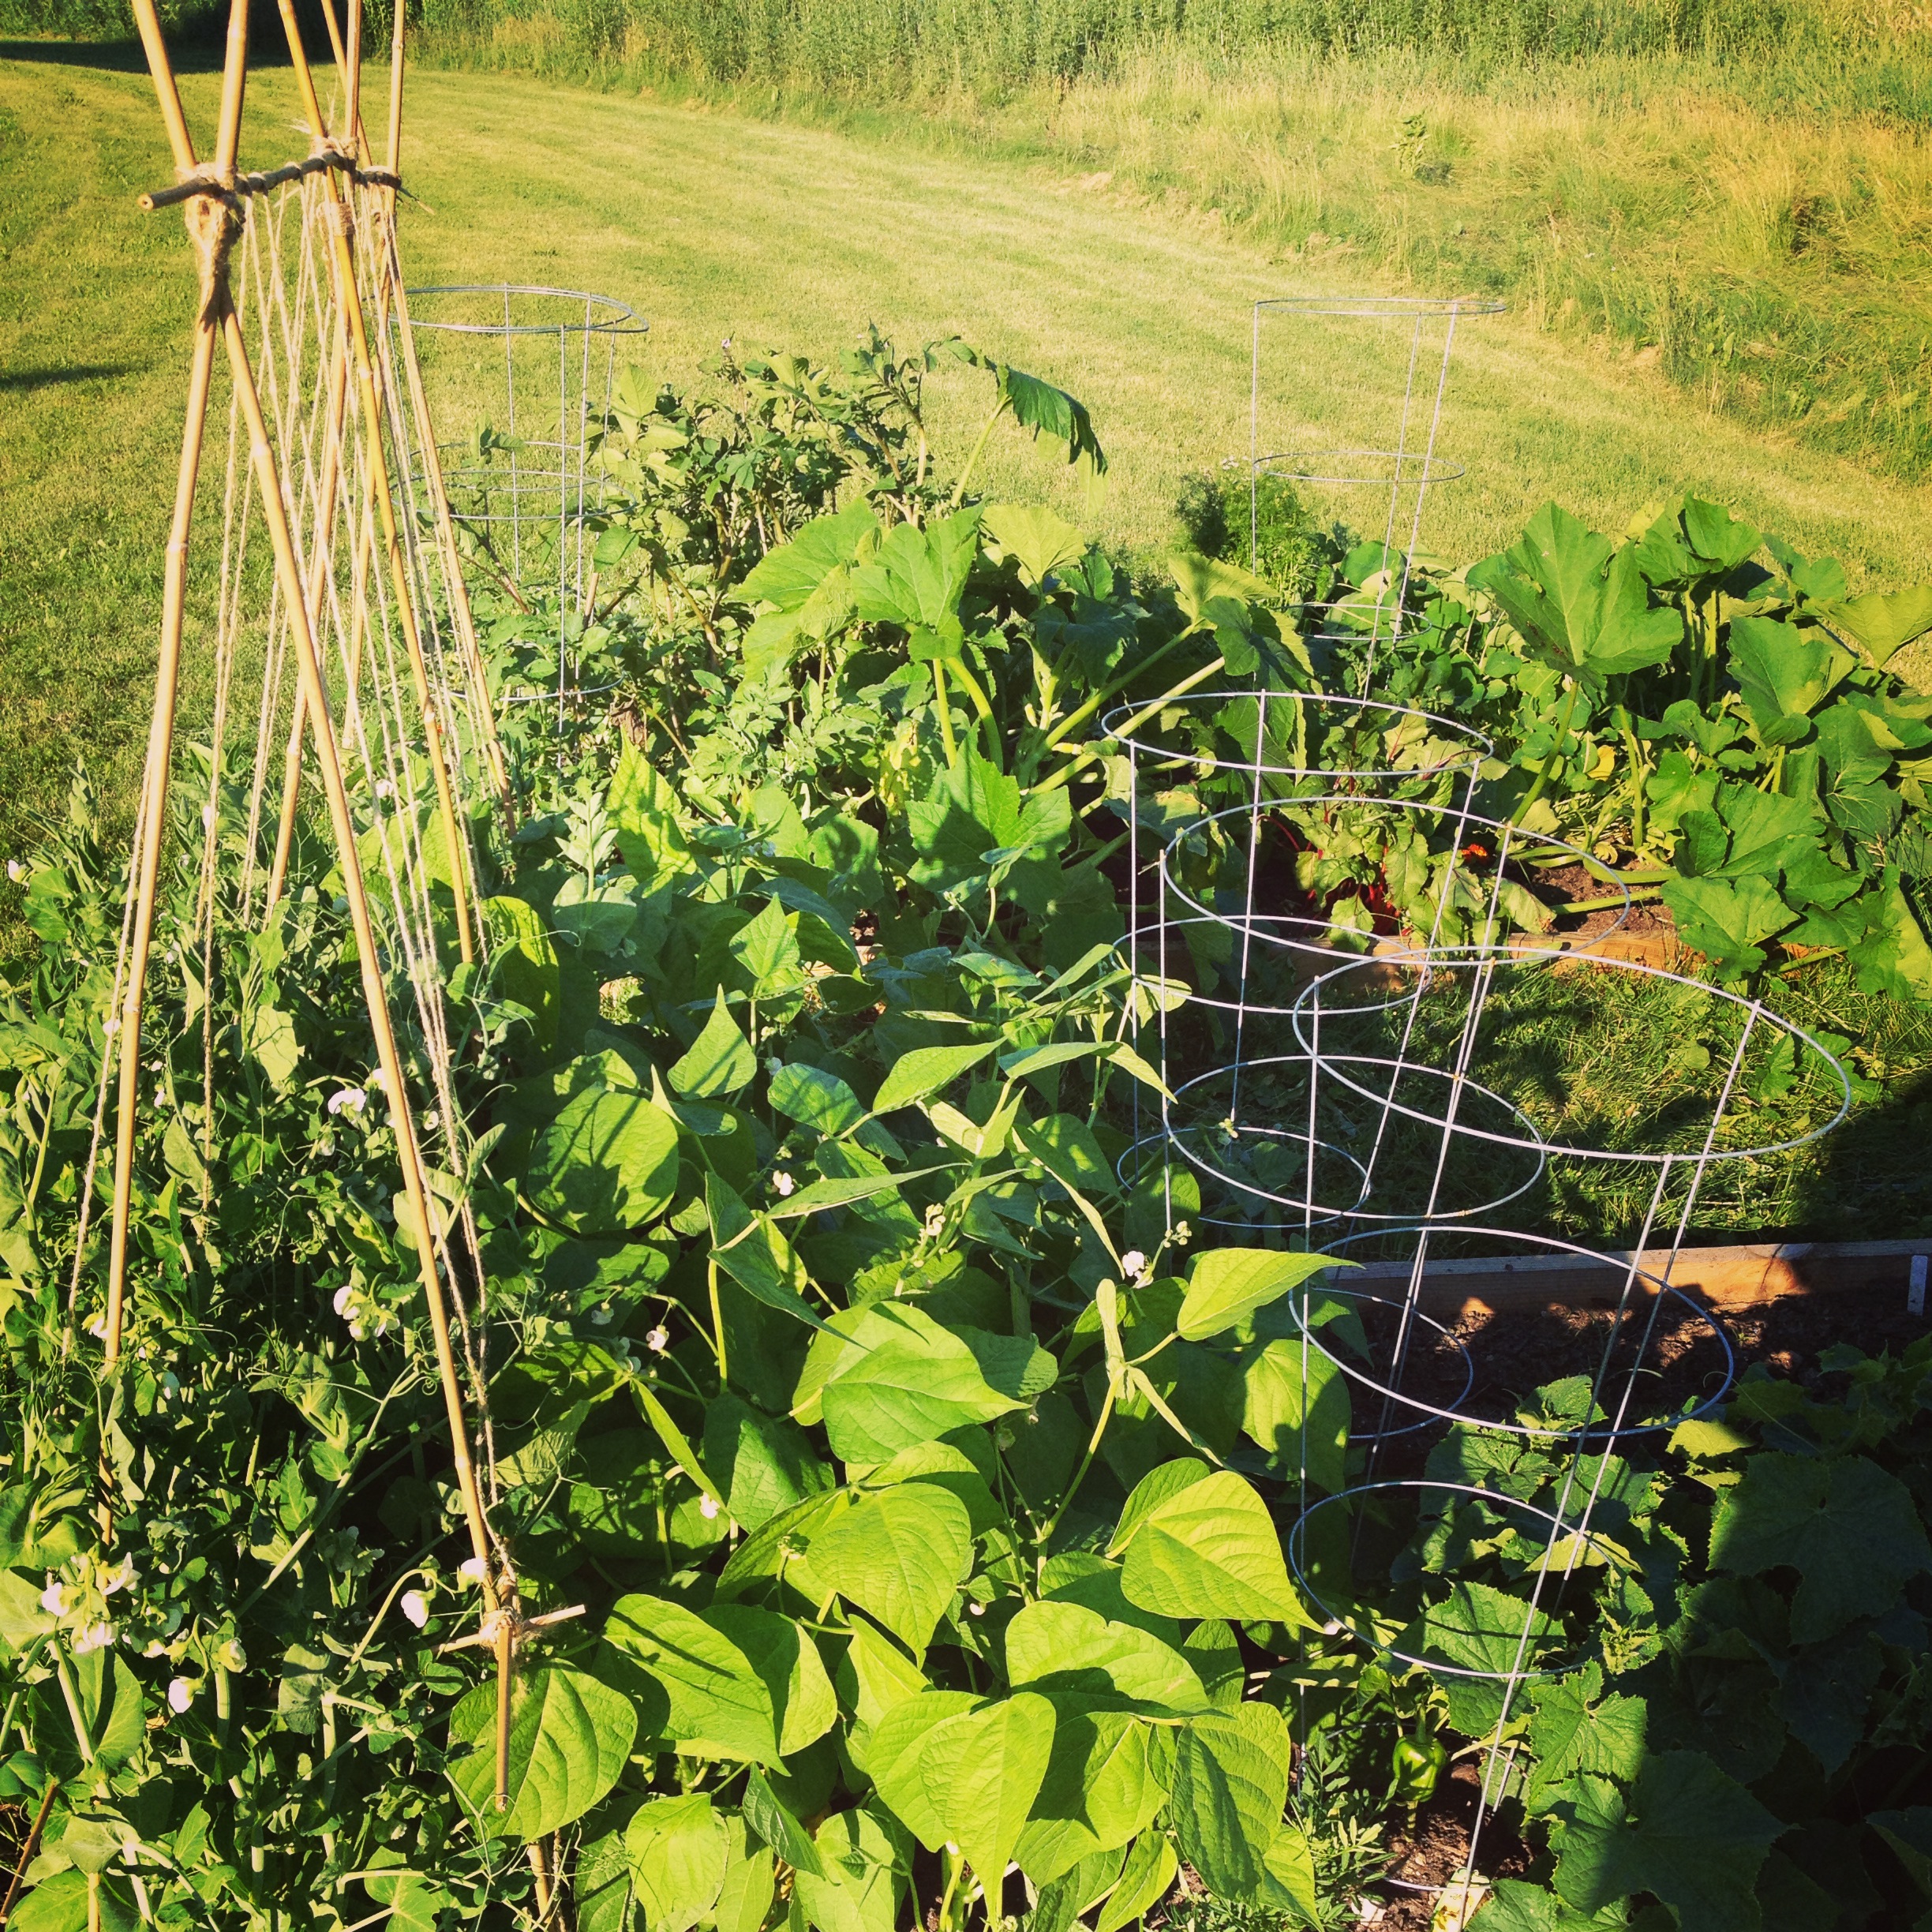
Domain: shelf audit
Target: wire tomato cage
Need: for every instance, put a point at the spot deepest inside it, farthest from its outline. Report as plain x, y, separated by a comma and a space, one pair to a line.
534, 369
1373, 1045
1379, 363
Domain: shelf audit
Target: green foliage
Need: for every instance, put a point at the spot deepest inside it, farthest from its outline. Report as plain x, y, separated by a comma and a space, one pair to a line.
887, 1494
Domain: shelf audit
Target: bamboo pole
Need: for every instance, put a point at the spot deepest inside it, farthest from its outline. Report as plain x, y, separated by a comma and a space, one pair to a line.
395, 90
348, 297
212, 215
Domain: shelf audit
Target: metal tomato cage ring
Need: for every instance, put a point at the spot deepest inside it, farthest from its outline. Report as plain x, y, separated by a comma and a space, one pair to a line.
552, 392
1380, 472
1262, 948
1484, 963
1445, 1335
1636, 1279
1305, 1210
1362, 1630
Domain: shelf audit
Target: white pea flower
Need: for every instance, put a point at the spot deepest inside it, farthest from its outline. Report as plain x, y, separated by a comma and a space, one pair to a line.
207, 818
472, 1571
98, 1326
231, 1656
54, 1599
180, 1694
344, 1295
353, 1099
385, 788
416, 1607
708, 1508
92, 1637
783, 1185
658, 1341
125, 1577
16, 871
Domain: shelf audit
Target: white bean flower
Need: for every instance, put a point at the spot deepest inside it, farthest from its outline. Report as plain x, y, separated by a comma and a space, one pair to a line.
385, 788
416, 1607
708, 1508
207, 818
98, 1326
658, 1341
180, 1694
1134, 1265
783, 1185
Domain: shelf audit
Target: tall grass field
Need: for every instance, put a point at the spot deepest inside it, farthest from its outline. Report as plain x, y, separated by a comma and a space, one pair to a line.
1736, 191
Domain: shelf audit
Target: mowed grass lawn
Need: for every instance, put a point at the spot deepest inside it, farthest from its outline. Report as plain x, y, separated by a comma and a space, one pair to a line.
713, 225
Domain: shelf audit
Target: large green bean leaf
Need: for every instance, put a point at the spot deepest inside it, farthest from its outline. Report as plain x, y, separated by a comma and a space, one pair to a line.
678, 1848
898, 1554
569, 1737
958, 1772
1230, 1783
1064, 1648
1227, 1283
714, 1703
1210, 1550
607, 1163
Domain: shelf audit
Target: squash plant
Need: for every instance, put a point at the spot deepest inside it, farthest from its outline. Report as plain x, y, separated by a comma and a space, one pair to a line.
1741, 1744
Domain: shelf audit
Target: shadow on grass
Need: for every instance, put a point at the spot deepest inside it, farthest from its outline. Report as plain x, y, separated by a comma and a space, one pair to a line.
194, 48
19, 381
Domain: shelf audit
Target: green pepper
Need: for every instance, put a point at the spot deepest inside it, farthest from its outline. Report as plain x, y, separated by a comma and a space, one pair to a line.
1417, 1763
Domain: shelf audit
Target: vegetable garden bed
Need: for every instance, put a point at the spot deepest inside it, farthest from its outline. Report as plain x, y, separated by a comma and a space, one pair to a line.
906, 1516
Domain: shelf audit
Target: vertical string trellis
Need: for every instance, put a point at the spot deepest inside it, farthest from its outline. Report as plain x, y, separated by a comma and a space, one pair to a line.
325, 404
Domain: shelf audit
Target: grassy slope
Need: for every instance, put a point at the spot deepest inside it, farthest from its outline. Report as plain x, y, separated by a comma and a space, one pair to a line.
781, 235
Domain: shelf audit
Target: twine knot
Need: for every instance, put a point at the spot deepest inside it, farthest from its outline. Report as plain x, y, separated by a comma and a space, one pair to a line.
214, 224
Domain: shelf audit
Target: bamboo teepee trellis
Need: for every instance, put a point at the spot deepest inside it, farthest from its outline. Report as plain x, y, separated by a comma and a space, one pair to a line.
337, 436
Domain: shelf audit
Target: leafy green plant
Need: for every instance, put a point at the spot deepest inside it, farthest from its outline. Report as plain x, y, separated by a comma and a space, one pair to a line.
888, 1488
1741, 1744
